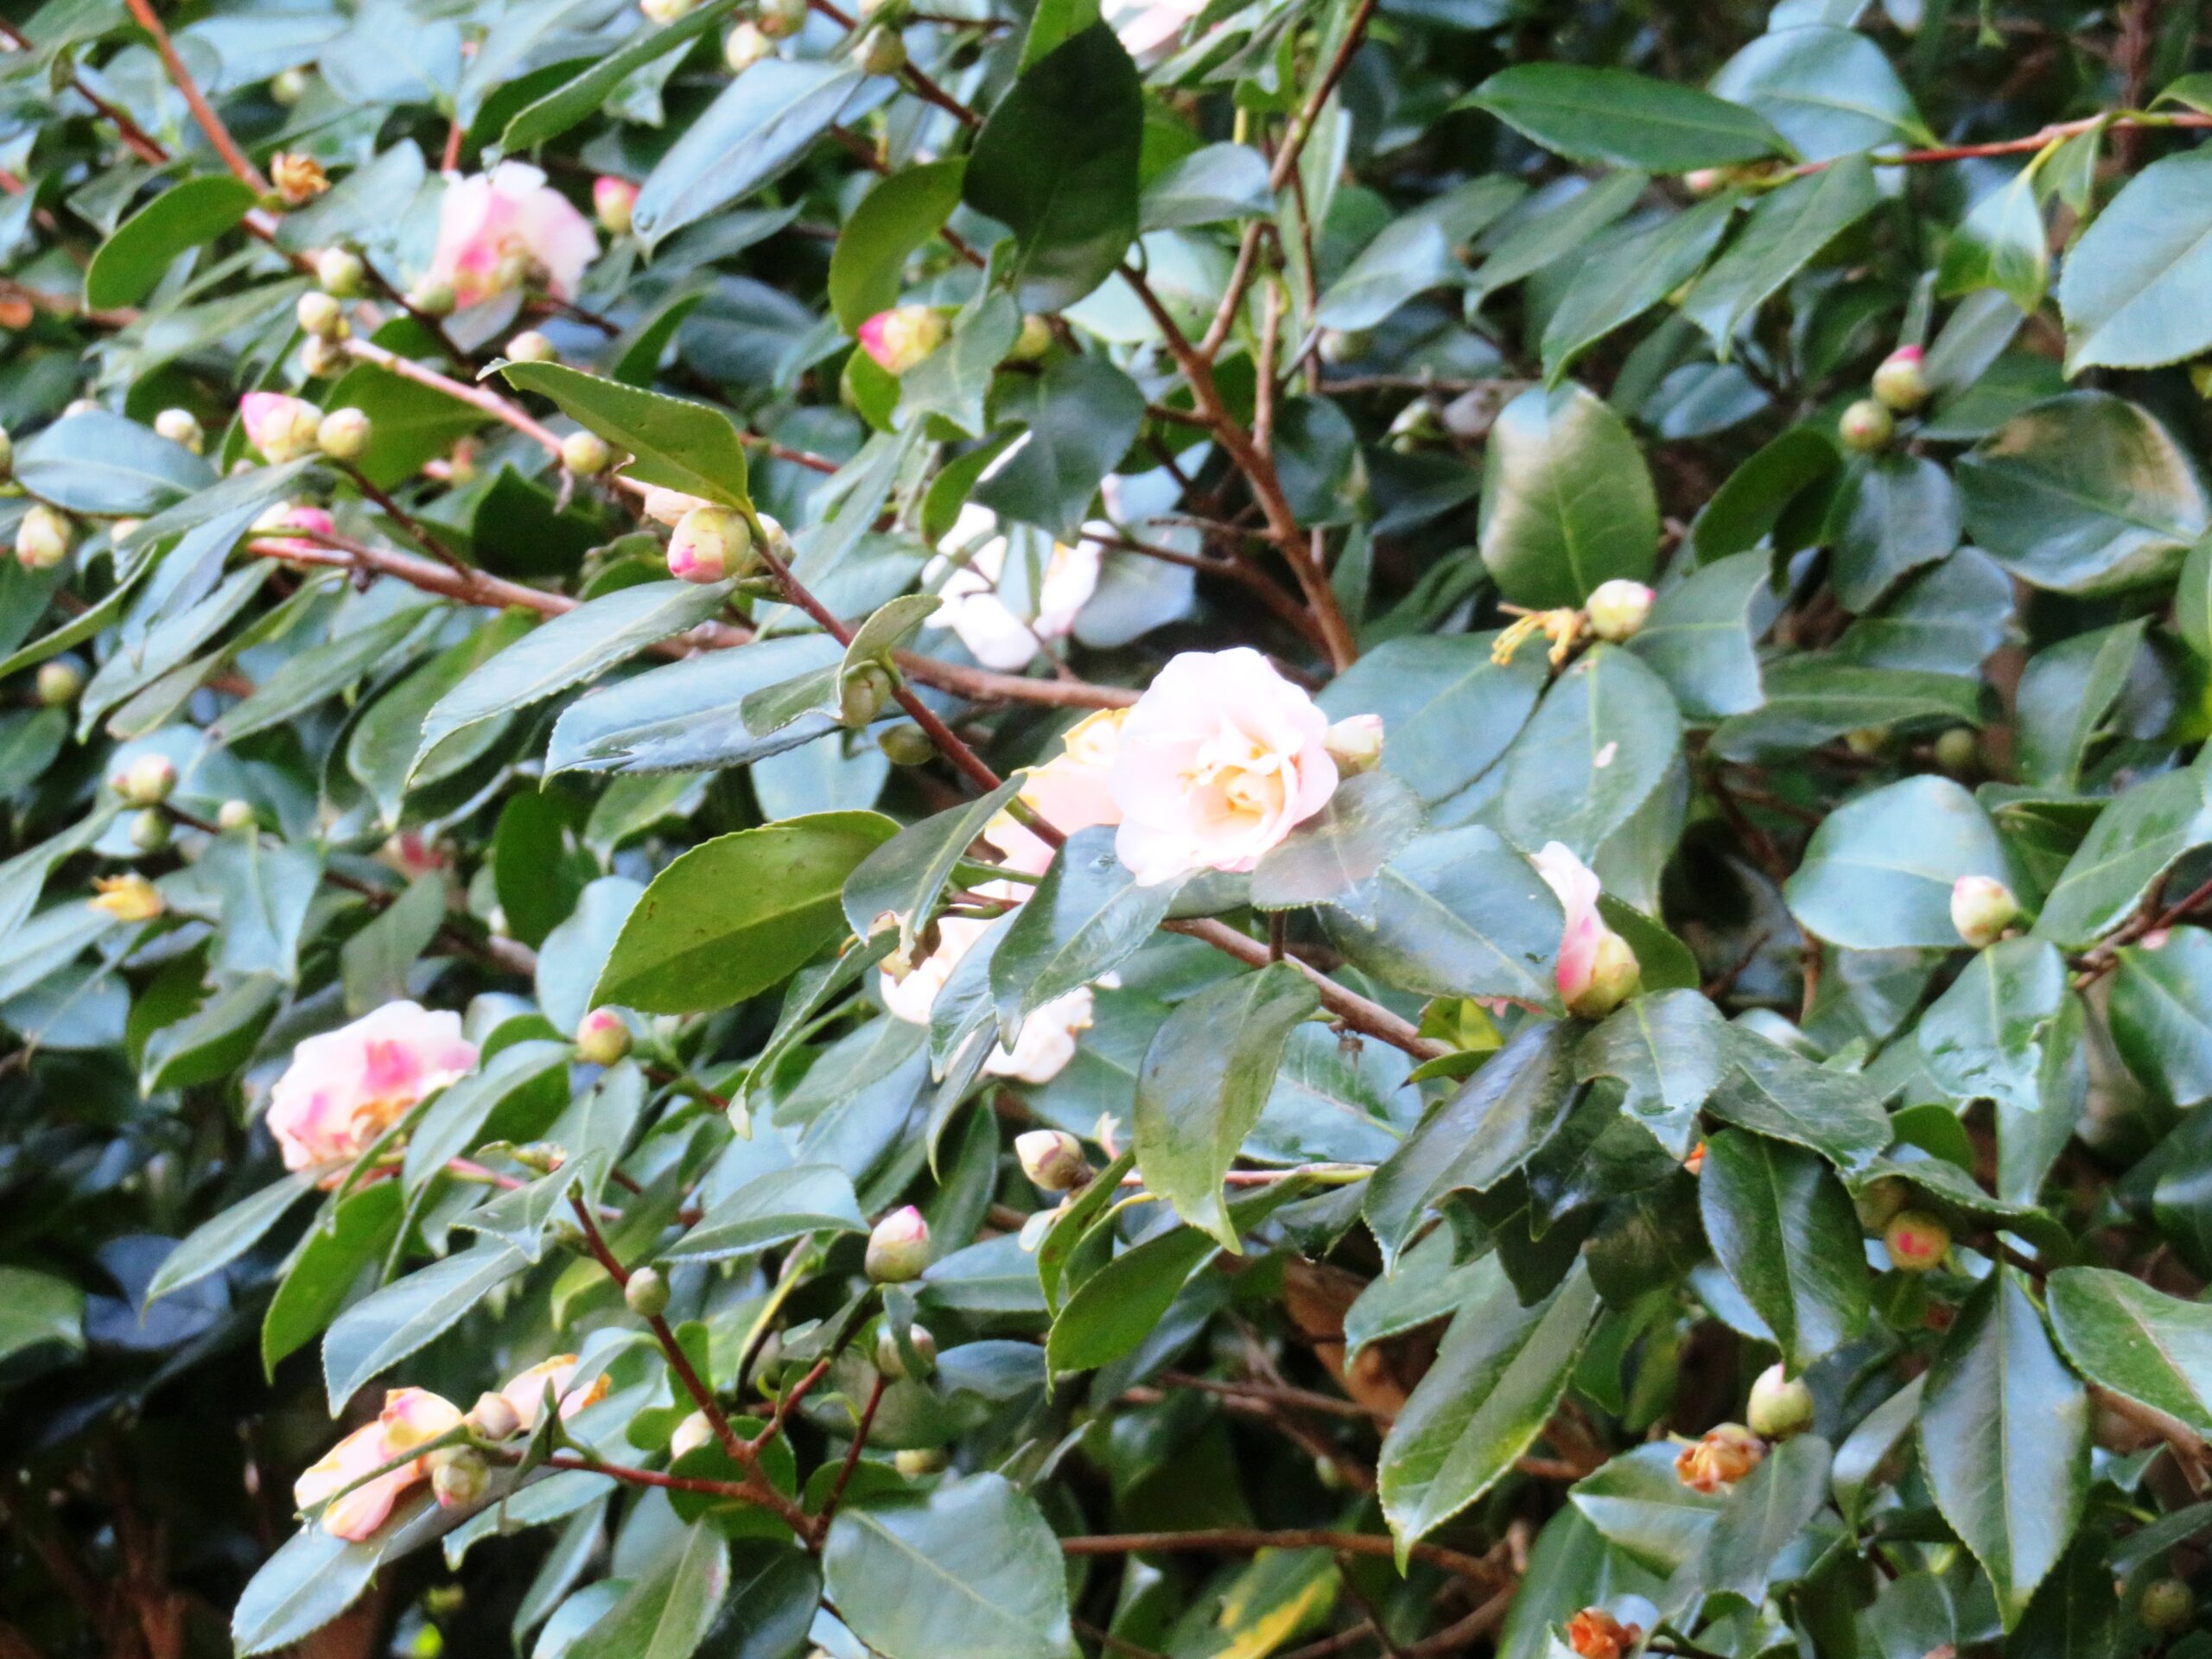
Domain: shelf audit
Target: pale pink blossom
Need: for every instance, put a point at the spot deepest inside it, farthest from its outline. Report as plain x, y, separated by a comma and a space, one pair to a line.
1004, 618
525, 1395
410, 1418
282, 427
1220, 760
1070, 791
346, 1087
500, 229
1597, 968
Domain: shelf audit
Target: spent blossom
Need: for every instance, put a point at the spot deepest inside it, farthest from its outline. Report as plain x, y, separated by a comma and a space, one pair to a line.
346, 1087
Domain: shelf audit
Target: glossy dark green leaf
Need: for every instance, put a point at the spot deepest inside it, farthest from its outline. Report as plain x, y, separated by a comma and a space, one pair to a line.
301, 1588
754, 132
2140, 1342
2129, 287
456, 1121
2001, 243
680, 718
131, 262
406, 1314
1893, 514
903, 878
1635, 275
1599, 746
901, 213
1767, 1089
1612, 117
1701, 637
1877, 872
1811, 699
1784, 1230
1212, 183
1830, 92
773, 1209
1082, 414
1457, 914
664, 1611
342, 1248
1085, 918
1984, 1037
2160, 1011
1785, 231
1332, 857
222, 1239
410, 423
576, 100
2131, 844
1766, 1512
2064, 694
1566, 502
1449, 709
677, 444
1668, 1051
97, 462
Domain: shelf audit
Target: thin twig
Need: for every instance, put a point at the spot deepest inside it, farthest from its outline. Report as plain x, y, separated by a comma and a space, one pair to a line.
202, 112
852, 1460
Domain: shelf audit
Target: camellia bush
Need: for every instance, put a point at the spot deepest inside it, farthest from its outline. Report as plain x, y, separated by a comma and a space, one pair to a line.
1196, 830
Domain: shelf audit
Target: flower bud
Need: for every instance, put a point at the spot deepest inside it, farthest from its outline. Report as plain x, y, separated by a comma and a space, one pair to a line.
1982, 907
288, 87
898, 1249
691, 1434
1901, 382
903, 336
459, 1476
744, 47
862, 694
665, 12
1916, 1241
530, 346
323, 360
1779, 1406
1727, 1452
1614, 976
1959, 751
882, 51
283, 428
1879, 1202
1867, 426
1618, 609
234, 814
891, 1358
1339, 345
340, 271
614, 200
916, 1461
779, 544
127, 898
647, 1293
666, 506
492, 1417
708, 544
149, 831
43, 538
180, 426
906, 744
1355, 743
59, 682
299, 179
344, 433
2168, 1604
1594, 1633
780, 19
1704, 181
147, 781
322, 316
1051, 1159
433, 298
602, 1036
1035, 340
585, 453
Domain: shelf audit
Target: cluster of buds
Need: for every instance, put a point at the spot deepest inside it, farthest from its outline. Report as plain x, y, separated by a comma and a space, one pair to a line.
1982, 907
898, 1248
1900, 386
903, 336
1720, 1458
284, 427
299, 179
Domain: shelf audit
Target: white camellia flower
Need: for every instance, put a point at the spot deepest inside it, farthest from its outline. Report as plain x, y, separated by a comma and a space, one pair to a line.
1045, 1043
1004, 607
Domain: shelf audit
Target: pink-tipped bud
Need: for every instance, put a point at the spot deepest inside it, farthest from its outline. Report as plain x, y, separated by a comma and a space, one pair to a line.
903, 336
1355, 743
147, 781
1901, 382
1614, 976
1051, 1159
708, 544
1867, 426
1982, 907
283, 428
1779, 1406
891, 1358
613, 200
1618, 609
602, 1036
43, 538
1916, 1241
898, 1249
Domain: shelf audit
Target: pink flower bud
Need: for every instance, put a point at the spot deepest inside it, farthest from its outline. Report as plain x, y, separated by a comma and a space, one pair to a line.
1867, 426
898, 1249
1355, 743
1901, 382
1982, 907
1617, 609
613, 200
1051, 1159
493, 1418
602, 1038
1916, 1241
147, 781
903, 336
283, 428
709, 544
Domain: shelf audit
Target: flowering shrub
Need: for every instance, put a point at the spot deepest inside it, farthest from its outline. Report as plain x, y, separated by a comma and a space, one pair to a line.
1003, 830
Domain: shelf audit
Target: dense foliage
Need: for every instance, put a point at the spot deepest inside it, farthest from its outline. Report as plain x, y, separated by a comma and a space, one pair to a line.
1258, 827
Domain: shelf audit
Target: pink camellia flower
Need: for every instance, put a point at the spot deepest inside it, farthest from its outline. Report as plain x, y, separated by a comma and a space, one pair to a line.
283, 428
1003, 615
346, 1087
903, 336
526, 1393
1597, 968
1073, 791
410, 1418
613, 200
499, 230
1220, 760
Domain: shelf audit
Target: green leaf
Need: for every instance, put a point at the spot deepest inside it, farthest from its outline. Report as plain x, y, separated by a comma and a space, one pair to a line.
2130, 288
771, 1210
99, 463
133, 260
1785, 232
677, 444
567, 650
2141, 1343
1566, 502
1449, 710
1205, 1080
1501, 1369
1086, 918
1984, 1039
678, 718
1613, 117
1332, 857
1944, 622
1667, 1050
664, 1612
2063, 696
455, 1122
342, 1247
904, 877
1599, 744
38, 1311
301, 1588
968, 1570
1640, 1506
1056, 163
308, 679
1634, 275
1877, 872
578, 101
1811, 699
1212, 183
1457, 914
902, 211
2134, 841
1785, 1232
1893, 514
1082, 414
2004, 1439
2160, 1011
1767, 1089
1768, 1509
734, 915
1829, 91
2193, 600
374, 962
763, 123
2084, 493
380, 752
222, 1239
1701, 637
2002, 244
261, 890
410, 423
395, 1322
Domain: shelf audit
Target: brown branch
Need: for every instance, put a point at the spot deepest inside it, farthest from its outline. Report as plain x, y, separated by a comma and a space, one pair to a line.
415, 532
852, 1460
1302, 128
1240, 1540
202, 112
2026, 144
917, 83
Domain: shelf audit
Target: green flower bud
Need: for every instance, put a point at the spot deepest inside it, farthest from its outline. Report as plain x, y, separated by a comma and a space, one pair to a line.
906, 744
882, 51
59, 681
1051, 1159
149, 831
1867, 426
147, 781
43, 539
647, 1293
780, 19
492, 1417
180, 426
1982, 907
1035, 340
344, 434
744, 47
530, 346
433, 299
1780, 1405
340, 271
322, 316
898, 1249
1959, 751
459, 1476
1617, 609
862, 694
2168, 1604
602, 1036
1901, 382
288, 87
234, 814
7, 453
708, 544
586, 454
915, 1462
